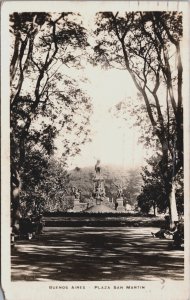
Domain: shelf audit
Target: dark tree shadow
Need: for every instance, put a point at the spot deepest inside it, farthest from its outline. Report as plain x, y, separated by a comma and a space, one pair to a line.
96, 254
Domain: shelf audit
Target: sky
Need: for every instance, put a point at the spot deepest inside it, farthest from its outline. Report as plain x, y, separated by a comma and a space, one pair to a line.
113, 141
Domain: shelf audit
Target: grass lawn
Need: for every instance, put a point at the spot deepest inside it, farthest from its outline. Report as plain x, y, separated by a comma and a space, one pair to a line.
102, 219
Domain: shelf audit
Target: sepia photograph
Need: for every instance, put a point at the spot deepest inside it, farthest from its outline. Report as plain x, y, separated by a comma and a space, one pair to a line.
94, 158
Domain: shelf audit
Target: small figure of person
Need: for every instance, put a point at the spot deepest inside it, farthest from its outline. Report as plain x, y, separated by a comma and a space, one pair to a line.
166, 232
76, 193
38, 224
97, 167
26, 227
119, 191
178, 236
116, 205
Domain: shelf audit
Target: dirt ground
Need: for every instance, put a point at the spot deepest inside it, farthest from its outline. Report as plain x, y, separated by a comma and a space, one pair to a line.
96, 254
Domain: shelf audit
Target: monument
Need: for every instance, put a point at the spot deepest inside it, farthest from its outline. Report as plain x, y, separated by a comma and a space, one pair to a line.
76, 193
99, 190
100, 201
119, 201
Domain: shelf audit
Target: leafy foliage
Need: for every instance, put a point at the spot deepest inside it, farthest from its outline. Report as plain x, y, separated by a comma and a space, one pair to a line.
153, 193
45, 102
147, 45
44, 184
47, 106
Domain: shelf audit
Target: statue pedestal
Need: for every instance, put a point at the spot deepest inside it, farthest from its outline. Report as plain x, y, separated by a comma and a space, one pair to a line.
106, 200
77, 206
98, 177
98, 201
127, 207
120, 204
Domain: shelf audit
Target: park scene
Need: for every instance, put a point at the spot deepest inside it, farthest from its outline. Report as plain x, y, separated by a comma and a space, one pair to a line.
96, 139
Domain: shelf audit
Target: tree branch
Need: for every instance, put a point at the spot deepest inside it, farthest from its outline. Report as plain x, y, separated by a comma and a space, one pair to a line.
14, 59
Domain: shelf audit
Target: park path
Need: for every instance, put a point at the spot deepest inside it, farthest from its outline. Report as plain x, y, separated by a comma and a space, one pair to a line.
96, 254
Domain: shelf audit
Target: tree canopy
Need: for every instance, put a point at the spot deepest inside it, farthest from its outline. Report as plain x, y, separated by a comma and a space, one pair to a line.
44, 101
147, 45
47, 106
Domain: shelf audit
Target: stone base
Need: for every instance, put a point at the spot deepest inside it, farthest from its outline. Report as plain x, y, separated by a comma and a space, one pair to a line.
77, 206
100, 209
120, 204
106, 200
128, 207
98, 201
121, 209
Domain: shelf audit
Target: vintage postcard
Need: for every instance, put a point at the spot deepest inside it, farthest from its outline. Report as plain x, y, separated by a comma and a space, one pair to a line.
95, 150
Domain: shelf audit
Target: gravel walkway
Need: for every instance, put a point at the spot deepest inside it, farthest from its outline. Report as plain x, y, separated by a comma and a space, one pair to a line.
96, 254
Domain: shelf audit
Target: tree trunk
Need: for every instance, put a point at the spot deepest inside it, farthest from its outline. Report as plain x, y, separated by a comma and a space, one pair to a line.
173, 206
155, 209
15, 201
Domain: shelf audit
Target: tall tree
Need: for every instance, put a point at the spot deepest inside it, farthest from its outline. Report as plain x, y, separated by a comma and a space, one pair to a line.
44, 101
147, 45
153, 191
44, 184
